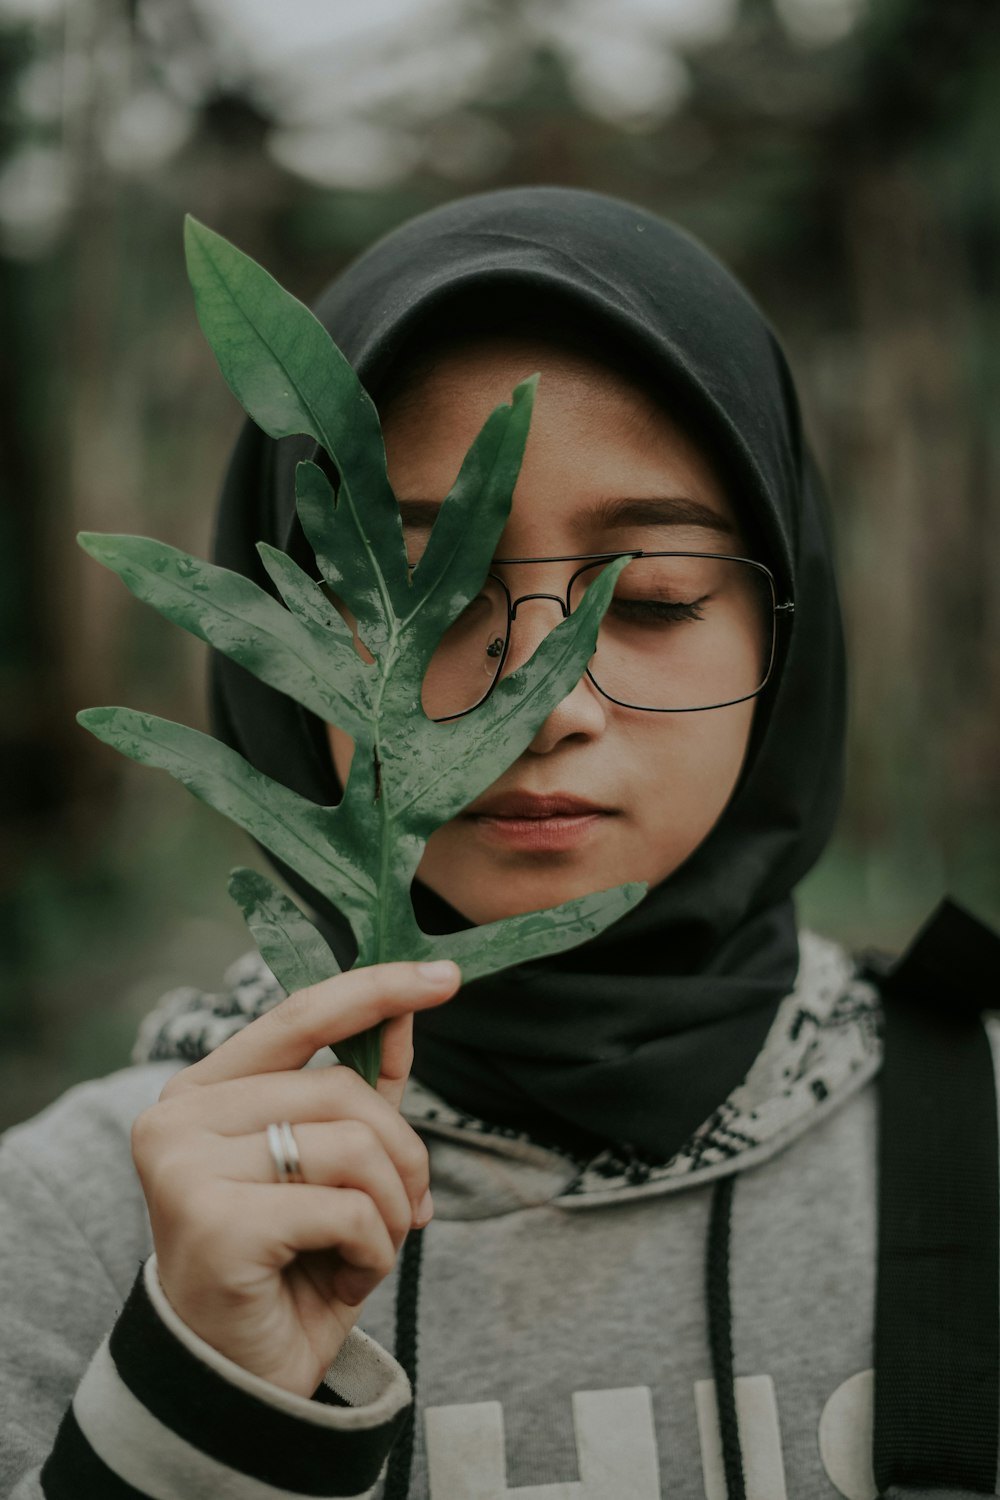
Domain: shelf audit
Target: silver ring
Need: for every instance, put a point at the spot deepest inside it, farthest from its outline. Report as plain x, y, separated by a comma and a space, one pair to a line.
284, 1151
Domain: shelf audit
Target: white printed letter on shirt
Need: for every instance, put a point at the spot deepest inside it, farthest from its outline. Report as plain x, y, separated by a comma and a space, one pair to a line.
845, 1437
615, 1442
760, 1438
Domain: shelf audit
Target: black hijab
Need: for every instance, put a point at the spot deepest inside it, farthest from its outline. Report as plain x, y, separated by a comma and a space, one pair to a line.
636, 1036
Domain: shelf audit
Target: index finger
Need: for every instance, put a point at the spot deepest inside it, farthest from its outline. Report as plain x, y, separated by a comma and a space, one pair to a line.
323, 1015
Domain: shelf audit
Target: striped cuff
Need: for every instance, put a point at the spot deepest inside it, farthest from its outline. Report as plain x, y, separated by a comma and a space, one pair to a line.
161, 1415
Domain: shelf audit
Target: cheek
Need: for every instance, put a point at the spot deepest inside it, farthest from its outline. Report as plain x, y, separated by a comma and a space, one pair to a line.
687, 772
341, 751
671, 775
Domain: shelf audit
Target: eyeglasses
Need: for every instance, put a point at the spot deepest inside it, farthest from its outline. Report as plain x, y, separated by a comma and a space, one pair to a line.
684, 632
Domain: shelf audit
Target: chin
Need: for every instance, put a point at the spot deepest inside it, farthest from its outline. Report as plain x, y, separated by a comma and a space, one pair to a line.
511, 893
488, 885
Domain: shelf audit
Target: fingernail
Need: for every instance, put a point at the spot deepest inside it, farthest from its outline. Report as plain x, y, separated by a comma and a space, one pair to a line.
437, 973
425, 1210
353, 1289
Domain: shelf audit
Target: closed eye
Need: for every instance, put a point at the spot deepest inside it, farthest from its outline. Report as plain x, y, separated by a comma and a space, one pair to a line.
657, 611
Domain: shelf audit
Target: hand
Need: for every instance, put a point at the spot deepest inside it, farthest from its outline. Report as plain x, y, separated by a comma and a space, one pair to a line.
272, 1274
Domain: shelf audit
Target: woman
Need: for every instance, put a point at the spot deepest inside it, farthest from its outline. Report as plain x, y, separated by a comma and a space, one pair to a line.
593, 1310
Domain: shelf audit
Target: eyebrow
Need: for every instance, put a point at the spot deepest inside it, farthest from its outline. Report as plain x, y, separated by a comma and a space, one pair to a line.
605, 515
671, 510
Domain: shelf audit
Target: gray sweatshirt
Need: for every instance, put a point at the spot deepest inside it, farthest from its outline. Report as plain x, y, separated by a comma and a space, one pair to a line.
558, 1312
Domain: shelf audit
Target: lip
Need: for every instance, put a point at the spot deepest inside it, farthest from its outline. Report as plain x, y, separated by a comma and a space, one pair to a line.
551, 823
523, 806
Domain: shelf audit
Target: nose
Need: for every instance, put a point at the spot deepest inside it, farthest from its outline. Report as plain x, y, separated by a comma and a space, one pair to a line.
528, 631
581, 714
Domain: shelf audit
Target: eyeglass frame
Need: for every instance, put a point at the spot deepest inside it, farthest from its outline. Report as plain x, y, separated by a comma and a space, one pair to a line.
786, 609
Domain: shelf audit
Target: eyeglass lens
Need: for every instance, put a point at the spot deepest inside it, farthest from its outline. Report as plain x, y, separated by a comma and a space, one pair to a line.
681, 632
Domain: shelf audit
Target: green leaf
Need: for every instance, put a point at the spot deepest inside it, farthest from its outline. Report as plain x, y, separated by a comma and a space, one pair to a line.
298, 956
363, 1053
292, 947
408, 774
314, 664
301, 834
472, 517
303, 594
346, 556
281, 364
517, 940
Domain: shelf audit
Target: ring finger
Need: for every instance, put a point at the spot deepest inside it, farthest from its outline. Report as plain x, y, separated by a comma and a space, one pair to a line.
336, 1153
241, 1106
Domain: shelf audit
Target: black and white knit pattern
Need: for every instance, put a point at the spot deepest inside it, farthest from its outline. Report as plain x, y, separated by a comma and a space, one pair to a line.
189, 1024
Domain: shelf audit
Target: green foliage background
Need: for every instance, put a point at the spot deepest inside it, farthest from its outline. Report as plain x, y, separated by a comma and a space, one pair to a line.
851, 178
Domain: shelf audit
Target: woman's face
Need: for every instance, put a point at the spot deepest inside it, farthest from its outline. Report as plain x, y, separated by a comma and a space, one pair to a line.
659, 780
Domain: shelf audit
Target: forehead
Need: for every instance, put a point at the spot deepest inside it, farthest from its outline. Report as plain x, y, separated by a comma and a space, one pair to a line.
603, 439
492, 360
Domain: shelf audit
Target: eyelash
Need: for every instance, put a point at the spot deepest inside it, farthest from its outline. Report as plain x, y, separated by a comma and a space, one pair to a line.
661, 612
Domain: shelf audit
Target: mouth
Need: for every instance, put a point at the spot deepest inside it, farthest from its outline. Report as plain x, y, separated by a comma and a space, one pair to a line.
524, 820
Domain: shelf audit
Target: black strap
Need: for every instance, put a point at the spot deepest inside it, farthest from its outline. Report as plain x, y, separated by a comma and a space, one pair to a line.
937, 1319
720, 1335
400, 1466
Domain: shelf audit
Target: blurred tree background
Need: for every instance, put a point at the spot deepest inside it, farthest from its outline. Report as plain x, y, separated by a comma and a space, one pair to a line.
842, 156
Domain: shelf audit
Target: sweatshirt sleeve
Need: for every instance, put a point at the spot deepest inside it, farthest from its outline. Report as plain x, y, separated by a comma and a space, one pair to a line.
160, 1413
154, 1411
